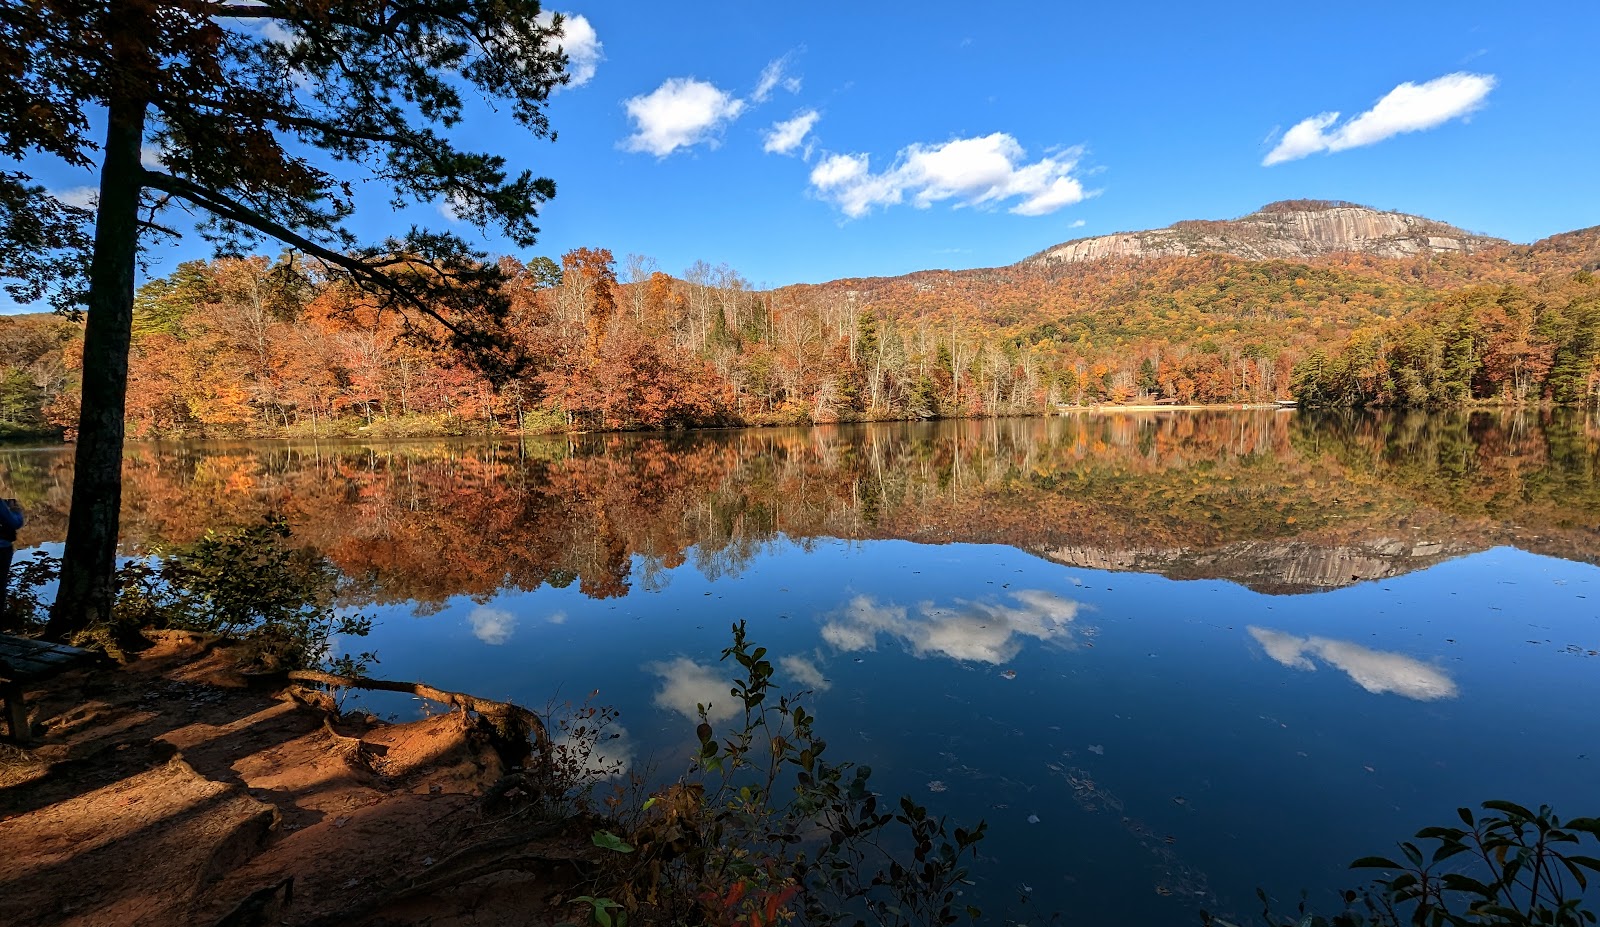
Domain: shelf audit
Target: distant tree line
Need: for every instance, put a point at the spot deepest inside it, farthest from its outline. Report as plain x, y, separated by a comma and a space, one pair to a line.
1507, 343
246, 346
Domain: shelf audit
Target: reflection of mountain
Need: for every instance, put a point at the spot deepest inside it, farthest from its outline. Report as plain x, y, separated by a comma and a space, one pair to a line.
1278, 567
1278, 501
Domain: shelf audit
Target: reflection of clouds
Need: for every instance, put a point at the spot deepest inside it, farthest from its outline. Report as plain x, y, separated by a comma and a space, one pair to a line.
1377, 671
988, 632
687, 684
610, 758
1285, 648
805, 672
492, 625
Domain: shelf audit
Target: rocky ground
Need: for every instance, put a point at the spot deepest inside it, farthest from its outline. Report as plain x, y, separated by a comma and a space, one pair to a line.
174, 790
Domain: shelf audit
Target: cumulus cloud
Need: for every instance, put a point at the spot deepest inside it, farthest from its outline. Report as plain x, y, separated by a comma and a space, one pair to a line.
986, 632
493, 626
80, 197
1407, 108
581, 43
454, 207
981, 171
687, 685
790, 135
773, 76
682, 112
1377, 671
1076, 224
274, 31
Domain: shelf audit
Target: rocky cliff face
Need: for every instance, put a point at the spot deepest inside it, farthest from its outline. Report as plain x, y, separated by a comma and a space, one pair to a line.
1291, 229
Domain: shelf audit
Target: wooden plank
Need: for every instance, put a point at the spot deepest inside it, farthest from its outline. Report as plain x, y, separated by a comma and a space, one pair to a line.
25, 660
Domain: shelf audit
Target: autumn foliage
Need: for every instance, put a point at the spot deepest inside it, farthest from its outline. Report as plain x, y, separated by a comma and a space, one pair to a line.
251, 346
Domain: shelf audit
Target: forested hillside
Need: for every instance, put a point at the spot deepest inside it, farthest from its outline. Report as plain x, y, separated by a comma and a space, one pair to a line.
262, 346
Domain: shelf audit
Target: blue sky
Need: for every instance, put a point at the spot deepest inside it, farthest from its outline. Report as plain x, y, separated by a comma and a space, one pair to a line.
945, 135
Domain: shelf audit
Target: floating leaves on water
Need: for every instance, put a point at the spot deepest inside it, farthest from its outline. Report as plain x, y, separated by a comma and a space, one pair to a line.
1097, 749
1180, 878
1033, 819
1009, 674
936, 786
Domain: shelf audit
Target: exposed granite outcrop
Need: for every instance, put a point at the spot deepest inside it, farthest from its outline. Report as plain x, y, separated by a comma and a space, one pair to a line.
1292, 229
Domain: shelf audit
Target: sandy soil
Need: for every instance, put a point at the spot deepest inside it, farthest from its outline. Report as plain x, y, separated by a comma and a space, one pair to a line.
171, 791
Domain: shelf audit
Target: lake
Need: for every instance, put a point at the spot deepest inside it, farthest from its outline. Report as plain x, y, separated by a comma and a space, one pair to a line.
1169, 657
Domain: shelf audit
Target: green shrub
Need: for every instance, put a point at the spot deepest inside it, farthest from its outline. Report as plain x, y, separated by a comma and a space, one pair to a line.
1511, 867
765, 828
244, 583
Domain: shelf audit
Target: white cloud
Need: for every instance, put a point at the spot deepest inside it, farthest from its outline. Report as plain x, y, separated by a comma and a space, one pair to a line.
81, 197
276, 32
1407, 108
1377, 671
773, 76
581, 43
680, 113
1076, 224
787, 136
687, 685
150, 157
981, 171
493, 626
454, 206
985, 632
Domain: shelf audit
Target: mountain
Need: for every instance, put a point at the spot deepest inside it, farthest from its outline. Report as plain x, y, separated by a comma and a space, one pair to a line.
1292, 229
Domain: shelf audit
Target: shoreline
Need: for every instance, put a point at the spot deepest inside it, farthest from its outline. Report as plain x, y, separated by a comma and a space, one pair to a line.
419, 430
179, 762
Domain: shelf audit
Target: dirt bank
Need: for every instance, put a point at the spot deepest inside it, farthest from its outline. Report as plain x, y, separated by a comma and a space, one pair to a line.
174, 790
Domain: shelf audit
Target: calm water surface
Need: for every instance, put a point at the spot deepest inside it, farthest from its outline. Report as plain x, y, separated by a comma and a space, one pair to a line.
1169, 658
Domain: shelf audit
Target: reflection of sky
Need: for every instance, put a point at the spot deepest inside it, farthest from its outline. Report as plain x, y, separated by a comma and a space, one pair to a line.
492, 625
990, 631
1377, 671
1284, 777
804, 672
609, 754
687, 685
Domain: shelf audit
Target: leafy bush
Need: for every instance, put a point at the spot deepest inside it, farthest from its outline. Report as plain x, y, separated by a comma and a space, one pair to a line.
1509, 868
243, 583
765, 828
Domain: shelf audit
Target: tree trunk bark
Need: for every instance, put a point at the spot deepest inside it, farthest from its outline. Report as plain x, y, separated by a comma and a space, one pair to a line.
89, 560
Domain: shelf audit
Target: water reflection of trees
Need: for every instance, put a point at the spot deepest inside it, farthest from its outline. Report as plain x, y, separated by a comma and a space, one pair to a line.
428, 520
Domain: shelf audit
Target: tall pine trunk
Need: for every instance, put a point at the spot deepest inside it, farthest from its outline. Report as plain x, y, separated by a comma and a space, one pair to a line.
89, 561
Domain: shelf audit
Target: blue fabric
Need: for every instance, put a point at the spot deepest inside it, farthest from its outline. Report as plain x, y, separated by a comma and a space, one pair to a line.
10, 519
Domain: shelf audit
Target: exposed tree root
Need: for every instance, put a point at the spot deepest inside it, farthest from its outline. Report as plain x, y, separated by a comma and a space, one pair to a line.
476, 861
516, 729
